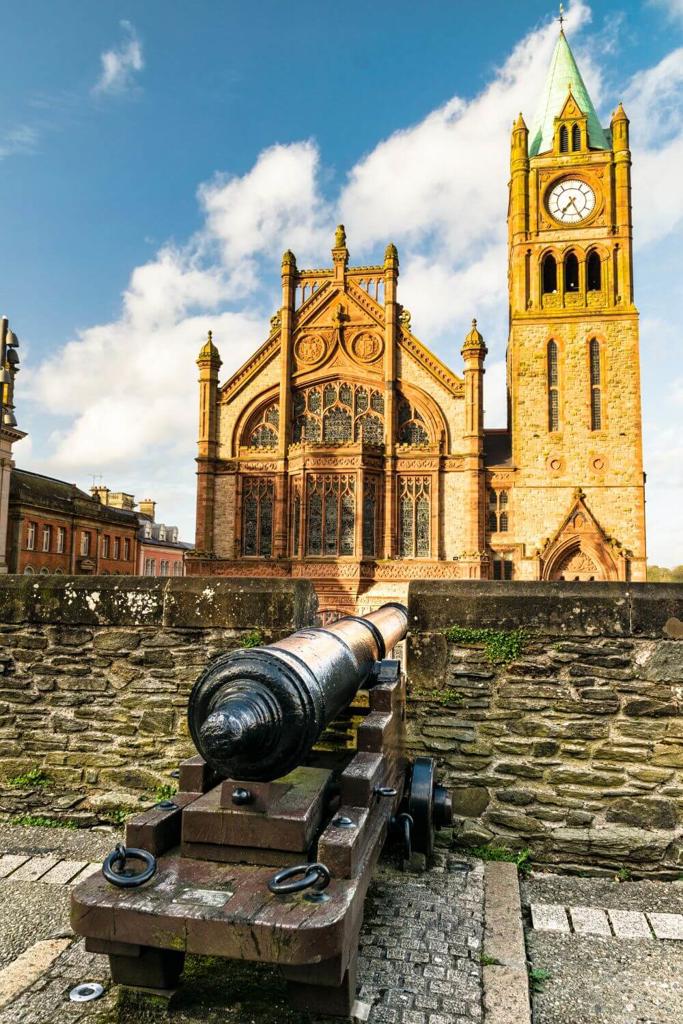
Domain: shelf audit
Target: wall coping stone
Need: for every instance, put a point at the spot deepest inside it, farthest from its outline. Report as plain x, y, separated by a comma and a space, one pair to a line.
571, 609
189, 602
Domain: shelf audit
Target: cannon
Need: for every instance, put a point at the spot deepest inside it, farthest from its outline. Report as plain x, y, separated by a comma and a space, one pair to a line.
267, 850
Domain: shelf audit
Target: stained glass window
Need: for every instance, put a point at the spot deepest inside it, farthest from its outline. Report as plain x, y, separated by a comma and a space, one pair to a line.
262, 429
315, 518
414, 527
331, 515
370, 429
411, 426
250, 519
336, 425
296, 516
348, 523
369, 514
338, 413
257, 517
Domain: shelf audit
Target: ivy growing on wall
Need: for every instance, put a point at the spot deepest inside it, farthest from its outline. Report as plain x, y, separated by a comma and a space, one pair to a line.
500, 645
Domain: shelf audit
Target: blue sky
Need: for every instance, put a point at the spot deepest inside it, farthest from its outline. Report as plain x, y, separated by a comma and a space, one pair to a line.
156, 159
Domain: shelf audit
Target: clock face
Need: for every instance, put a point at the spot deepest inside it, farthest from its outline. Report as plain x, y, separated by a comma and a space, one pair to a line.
571, 201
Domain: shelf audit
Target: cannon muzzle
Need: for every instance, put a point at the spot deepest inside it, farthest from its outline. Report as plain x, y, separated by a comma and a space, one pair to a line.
255, 714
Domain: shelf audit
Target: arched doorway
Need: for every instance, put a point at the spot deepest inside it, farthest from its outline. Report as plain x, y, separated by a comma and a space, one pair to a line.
576, 566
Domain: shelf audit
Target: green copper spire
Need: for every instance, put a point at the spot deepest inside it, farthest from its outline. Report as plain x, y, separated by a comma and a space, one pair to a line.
563, 76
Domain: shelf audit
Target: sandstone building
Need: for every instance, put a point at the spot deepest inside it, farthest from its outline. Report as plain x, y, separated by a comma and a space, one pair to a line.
344, 451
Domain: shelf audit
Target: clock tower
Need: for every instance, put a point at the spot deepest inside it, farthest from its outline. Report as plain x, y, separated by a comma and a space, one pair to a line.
573, 362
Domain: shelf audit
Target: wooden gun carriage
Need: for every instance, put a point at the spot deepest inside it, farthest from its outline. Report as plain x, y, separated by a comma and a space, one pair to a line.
267, 850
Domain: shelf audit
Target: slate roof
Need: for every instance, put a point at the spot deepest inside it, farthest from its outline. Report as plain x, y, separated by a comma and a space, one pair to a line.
563, 74
52, 495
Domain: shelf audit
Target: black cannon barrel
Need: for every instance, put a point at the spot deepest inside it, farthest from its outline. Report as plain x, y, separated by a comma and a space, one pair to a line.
255, 714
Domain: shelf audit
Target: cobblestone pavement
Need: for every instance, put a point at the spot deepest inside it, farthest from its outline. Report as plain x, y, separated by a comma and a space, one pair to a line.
607, 950
419, 963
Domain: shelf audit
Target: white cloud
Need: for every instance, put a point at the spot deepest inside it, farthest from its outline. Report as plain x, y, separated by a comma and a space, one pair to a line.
22, 139
120, 64
672, 8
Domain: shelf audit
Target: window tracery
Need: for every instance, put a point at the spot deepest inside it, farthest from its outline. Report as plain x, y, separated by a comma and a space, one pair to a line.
412, 428
370, 518
498, 513
262, 430
331, 514
338, 413
414, 525
257, 516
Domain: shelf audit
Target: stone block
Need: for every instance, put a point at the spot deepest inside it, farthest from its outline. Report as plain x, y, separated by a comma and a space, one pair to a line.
549, 917
515, 822
568, 609
644, 812
667, 926
629, 924
644, 707
590, 921
470, 801
243, 604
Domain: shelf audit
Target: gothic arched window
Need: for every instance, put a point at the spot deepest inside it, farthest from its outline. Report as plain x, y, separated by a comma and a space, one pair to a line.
549, 274
370, 518
553, 388
414, 516
257, 516
498, 517
338, 413
594, 272
262, 430
331, 515
576, 137
564, 139
596, 391
412, 428
571, 272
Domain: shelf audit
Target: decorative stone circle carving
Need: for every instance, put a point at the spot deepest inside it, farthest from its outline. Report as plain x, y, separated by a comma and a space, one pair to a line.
366, 347
309, 349
555, 464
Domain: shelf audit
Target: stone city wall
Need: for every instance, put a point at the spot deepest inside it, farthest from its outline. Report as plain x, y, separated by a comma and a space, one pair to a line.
95, 673
572, 745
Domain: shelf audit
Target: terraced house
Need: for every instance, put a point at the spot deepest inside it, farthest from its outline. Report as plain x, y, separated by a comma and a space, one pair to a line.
346, 452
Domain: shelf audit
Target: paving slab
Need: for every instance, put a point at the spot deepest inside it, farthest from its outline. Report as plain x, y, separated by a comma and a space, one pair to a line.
9, 862
29, 967
629, 924
88, 870
571, 890
590, 921
667, 926
549, 917
33, 869
64, 871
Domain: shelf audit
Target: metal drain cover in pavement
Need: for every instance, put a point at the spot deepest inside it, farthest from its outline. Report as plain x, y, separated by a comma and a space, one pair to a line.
84, 993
